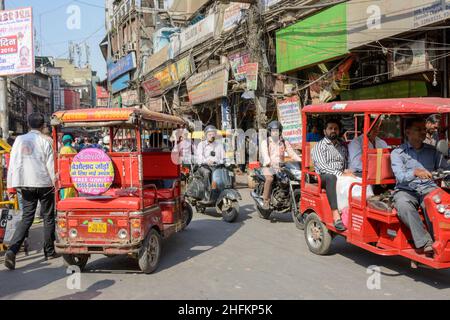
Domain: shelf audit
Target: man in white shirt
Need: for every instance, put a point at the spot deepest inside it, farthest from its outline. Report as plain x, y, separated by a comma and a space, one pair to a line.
32, 173
209, 152
355, 148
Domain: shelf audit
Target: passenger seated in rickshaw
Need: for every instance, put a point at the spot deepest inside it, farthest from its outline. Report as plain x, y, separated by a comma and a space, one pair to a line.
355, 149
330, 158
412, 164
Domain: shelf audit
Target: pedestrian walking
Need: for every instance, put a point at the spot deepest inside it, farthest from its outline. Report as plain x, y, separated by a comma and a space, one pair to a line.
32, 172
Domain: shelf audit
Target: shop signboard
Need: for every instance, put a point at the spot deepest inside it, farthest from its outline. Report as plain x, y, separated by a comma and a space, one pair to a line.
130, 98
16, 42
392, 90
289, 115
369, 21
233, 15
124, 65
315, 39
208, 85
183, 67
164, 77
121, 83
197, 33
152, 87
157, 59
155, 104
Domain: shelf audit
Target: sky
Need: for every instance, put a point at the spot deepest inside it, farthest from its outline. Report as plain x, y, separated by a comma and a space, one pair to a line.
57, 22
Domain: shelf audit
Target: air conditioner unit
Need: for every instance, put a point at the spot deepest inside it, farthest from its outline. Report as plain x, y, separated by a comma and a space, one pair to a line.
409, 58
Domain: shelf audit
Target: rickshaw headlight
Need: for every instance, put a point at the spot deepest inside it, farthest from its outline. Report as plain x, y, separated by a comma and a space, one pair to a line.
447, 213
441, 208
123, 234
437, 199
73, 233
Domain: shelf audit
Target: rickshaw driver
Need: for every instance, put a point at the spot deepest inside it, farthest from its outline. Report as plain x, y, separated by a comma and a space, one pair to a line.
412, 164
209, 152
330, 158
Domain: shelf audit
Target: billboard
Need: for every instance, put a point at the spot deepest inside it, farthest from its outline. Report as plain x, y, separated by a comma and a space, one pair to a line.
208, 85
289, 114
122, 66
16, 42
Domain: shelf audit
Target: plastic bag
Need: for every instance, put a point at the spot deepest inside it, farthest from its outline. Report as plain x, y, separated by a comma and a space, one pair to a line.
343, 189
14, 218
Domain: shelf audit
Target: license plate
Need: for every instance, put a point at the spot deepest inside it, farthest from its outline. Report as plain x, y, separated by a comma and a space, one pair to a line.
97, 227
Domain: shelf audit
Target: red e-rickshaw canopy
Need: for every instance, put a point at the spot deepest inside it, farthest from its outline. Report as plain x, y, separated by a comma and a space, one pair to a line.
384, 106
112, 115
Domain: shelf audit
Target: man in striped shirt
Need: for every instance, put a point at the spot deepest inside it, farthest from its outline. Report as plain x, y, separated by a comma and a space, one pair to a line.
330, 158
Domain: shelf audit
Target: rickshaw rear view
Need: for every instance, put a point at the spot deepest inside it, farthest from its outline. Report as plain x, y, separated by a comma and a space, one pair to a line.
128, 195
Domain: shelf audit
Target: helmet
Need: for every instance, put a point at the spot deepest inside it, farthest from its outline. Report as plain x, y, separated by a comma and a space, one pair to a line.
106, 140
275, 125
210, 129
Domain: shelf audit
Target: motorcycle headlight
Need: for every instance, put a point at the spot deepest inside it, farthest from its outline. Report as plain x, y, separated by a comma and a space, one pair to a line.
297, 174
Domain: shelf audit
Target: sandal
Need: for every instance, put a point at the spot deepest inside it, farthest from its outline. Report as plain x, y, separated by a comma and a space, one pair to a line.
339, 225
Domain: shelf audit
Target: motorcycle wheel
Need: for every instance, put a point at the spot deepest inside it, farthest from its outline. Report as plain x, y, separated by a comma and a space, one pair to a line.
297, 216
231, 214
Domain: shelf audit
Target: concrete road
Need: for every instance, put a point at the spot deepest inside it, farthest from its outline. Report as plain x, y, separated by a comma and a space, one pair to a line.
250, 259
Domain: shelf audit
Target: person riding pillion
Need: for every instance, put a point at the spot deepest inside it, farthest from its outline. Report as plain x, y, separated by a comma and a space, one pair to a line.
209, 152
273, 153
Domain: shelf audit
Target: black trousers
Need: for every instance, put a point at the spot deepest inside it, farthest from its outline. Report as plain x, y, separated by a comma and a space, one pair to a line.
329, 184
30, 198
206, 175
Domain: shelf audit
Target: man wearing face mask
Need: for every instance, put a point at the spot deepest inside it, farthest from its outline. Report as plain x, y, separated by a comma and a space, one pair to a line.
209, 152
330, 158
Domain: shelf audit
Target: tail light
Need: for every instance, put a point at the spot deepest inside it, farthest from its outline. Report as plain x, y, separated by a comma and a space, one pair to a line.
136, 229
61, 227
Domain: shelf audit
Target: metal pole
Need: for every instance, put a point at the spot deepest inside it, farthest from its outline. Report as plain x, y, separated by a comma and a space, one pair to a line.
4, 119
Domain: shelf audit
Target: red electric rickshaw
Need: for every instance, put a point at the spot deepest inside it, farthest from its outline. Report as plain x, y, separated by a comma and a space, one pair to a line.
143, 202
372, 226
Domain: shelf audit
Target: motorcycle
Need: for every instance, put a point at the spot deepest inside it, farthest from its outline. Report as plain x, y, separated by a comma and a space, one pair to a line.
222, 195
285, 196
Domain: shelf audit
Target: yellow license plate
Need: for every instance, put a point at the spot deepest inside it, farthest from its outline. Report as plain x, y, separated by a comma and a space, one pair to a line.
97, 227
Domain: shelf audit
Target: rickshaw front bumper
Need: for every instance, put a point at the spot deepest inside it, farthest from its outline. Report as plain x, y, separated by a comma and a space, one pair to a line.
107, 249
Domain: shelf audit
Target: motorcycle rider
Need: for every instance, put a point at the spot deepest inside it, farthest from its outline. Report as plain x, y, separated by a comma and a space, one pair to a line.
273, 152
209, 152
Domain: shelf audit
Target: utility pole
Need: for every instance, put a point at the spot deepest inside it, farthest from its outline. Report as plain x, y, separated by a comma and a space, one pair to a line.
4, 112
255, 38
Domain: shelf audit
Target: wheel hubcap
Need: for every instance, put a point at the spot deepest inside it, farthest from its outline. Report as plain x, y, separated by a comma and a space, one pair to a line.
315, 234
153, 250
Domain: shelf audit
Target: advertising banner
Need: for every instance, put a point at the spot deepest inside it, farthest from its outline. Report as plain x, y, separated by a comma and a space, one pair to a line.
250, 72
16, 42
237, 60
289, 115
198, 33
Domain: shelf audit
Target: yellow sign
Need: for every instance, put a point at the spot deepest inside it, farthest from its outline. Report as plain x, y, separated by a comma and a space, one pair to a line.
97, 227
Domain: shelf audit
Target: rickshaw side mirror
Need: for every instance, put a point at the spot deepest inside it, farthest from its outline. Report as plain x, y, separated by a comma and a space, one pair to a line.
442, 147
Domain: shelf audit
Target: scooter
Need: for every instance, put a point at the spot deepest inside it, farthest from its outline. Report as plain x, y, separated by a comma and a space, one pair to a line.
222, 195
285, 196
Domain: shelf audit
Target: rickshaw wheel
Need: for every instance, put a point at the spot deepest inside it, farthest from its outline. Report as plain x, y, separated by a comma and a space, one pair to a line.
150, 253
317, 236
187, 214
75, 260
297, 216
